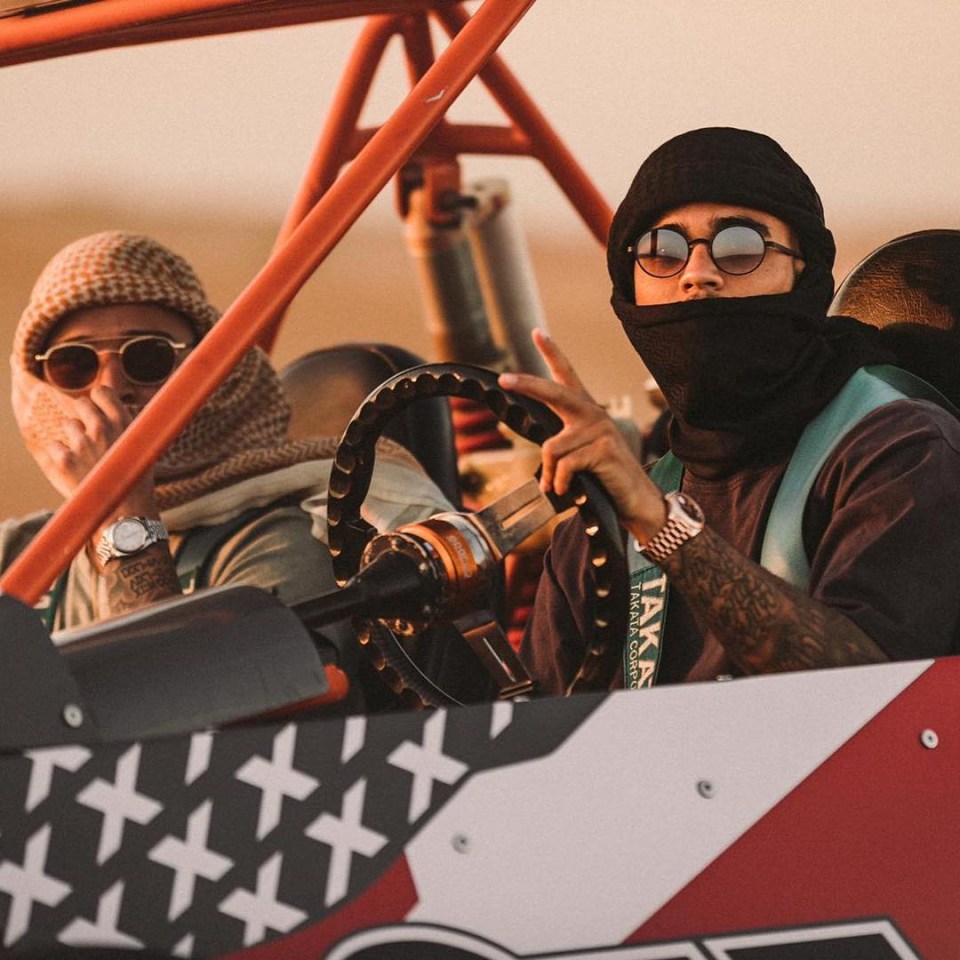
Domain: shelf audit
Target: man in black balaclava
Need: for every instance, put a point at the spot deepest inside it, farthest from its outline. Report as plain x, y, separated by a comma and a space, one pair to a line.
722, 274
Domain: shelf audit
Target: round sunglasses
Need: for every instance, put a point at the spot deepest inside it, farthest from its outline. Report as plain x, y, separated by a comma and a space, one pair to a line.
146, 360
737, 250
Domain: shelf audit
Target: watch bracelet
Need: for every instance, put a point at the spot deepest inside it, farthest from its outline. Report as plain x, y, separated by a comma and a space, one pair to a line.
677, 530
156, 532
671, 536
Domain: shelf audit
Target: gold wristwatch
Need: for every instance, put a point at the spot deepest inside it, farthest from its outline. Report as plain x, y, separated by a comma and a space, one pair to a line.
129, 535
684, 521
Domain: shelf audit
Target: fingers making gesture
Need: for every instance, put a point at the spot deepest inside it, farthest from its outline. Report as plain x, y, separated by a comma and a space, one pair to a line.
68, 435
588, 441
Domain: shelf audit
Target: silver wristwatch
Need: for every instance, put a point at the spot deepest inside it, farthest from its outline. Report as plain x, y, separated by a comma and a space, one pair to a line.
684, 521
129, 535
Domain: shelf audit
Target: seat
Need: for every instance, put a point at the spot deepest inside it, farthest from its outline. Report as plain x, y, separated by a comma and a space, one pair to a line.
913, 278
326, 386
910, 288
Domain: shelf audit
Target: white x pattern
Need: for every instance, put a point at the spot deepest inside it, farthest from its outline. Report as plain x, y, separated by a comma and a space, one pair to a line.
276, 778
29, 884
345, 835
119, 802
190, 859
261, 910
427, 762
44, 762
80, 932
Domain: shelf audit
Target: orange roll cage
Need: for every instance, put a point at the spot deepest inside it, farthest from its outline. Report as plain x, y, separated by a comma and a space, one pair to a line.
324, 209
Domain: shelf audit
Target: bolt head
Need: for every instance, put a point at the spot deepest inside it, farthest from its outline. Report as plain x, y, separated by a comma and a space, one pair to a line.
72, 716
930, 739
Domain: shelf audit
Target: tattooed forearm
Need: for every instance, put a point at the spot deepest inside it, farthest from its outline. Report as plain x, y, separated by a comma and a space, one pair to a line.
764, 624
132, 582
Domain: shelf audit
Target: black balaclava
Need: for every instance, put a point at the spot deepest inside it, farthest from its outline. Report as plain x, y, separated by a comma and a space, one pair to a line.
742, 375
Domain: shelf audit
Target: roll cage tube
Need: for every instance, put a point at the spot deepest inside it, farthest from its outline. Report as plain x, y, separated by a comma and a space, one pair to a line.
529, 135
337, 206
80, 26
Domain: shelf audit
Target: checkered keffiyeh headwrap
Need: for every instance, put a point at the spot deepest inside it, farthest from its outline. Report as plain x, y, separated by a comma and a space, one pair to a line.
240, 432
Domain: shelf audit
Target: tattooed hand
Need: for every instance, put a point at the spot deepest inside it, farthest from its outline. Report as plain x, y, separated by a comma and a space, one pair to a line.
128, 583
589, 441
764, 624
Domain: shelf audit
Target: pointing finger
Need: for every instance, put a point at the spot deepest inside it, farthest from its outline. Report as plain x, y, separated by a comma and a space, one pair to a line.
567, 402
561, 369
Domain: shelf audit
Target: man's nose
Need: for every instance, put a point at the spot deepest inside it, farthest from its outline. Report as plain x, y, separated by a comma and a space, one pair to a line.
700, 272
111, 374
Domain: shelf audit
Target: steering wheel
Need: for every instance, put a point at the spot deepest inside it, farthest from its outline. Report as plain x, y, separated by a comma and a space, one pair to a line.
449, 561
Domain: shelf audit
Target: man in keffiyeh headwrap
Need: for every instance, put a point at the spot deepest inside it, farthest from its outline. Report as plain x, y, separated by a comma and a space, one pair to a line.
721, 267
109, 319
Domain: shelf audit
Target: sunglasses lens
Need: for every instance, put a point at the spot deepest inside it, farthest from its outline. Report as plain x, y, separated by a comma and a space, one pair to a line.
662, 253
148, 360
72, 366
738, 250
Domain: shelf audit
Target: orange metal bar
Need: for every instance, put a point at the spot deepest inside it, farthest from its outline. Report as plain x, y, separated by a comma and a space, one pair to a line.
332, 149
478, 138
531, 134
337, 143
276, 284
458, 138
547, 147
481, 138
418, 47
119, 23
340, 140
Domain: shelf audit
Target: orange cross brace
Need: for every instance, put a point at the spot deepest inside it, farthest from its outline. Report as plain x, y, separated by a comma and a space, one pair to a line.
273, 287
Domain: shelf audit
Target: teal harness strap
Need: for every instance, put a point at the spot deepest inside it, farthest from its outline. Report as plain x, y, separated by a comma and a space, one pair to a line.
48, 606
196, 549
191, 559
649, 592
869, 388
782, 552
667, 473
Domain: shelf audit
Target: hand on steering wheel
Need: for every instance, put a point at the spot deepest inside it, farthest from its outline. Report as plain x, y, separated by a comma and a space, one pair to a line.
455, 553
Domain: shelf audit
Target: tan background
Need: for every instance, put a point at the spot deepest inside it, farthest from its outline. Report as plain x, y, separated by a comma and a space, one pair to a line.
367, 290
202, 143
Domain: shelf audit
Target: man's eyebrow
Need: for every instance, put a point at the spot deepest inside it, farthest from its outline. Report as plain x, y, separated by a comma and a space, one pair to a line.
740, 220
718, 223
679, 227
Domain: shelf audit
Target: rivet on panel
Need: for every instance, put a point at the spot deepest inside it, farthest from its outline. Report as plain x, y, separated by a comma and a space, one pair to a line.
72, 716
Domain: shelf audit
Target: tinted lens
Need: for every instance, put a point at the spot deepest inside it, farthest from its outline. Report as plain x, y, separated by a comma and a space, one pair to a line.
72, 366
662, 253
737, 250
148, 360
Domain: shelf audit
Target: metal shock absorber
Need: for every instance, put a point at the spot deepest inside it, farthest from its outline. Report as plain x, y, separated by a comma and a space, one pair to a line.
481, 307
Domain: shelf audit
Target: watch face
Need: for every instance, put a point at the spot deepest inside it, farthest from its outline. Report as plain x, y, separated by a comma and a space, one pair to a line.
691, 508
129, 536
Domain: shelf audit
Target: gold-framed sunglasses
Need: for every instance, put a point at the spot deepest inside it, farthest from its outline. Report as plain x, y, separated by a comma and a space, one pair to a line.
147, 360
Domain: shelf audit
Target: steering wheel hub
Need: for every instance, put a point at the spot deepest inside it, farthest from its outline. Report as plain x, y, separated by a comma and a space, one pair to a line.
455, 554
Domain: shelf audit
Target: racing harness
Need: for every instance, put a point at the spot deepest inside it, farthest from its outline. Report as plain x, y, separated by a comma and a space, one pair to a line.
192, 558
782, 551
